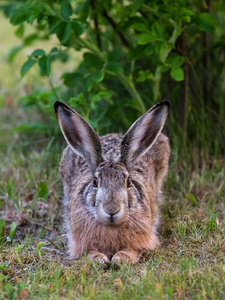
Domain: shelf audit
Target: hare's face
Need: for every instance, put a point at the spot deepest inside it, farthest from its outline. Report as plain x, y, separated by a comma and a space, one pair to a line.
111, 184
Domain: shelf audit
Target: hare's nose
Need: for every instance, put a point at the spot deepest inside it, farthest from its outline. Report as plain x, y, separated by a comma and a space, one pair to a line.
111, 208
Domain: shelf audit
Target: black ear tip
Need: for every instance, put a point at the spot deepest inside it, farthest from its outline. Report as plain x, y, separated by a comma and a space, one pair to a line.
165, 102
56, 105
161, 104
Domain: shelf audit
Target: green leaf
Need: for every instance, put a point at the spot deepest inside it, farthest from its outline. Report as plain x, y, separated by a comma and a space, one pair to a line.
19, 16
144, 75
38, 52
114, 55
145, 38
186, 18
71, 79
5, 265
205, 22
65, 9
83, 9
12, 229
20, 286
174, 60
27, 65
136, 5
160, 46
94, 98
3, 277
40, 244
77, 27
42, 190
2, 226
13, 52
54, 50
53, 23
162, 69
185, 14
96, 77
7, 9
92, 60
9, 289
30, 39
158, 31
79, 102
177, 74
63, 31
139, 26
192, 198
45, 65
25, 13
114, 67
20, 31
105, 94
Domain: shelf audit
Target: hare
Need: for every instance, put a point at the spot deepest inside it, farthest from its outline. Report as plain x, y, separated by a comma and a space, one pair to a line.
112, 185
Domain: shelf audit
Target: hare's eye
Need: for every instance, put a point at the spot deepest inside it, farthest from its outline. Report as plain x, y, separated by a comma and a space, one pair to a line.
95, 182
128, 182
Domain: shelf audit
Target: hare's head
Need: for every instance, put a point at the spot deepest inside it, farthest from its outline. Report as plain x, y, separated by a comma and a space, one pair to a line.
109, 193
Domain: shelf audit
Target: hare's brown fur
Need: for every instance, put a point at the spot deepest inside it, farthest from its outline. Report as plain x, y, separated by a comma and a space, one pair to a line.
91, 235
112, 185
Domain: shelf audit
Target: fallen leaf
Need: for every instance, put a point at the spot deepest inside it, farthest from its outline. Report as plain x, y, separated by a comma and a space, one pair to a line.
23, 294
86, 267
119, 282
178, 291
8, 102
17, 279
158, 286
217, 221
50, 287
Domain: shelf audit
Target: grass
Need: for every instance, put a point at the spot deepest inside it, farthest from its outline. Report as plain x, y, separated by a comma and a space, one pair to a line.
188, 265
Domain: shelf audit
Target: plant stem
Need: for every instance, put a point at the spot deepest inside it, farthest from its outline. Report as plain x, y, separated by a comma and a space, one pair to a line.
129, 85
97, 31
88, 45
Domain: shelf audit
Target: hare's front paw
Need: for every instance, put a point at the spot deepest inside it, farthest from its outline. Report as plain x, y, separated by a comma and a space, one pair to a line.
121, 257
99, 258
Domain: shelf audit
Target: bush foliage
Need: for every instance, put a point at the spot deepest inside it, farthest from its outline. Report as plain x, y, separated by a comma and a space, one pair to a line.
134, 53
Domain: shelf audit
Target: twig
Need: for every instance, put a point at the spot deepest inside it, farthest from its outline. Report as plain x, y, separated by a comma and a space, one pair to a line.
144, 15
114, 26
97, 32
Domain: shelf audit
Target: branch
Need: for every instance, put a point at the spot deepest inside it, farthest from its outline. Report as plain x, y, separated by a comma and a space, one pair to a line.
114, 26
97, 32
144, 15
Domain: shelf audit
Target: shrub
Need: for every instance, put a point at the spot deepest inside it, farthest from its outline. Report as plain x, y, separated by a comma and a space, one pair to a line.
134, 53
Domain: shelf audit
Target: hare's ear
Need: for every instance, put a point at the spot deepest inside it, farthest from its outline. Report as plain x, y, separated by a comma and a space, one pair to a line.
143, 133
79, 134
